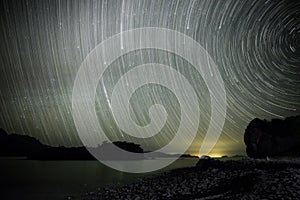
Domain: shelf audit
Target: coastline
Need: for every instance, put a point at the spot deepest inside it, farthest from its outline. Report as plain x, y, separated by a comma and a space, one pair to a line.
230, 179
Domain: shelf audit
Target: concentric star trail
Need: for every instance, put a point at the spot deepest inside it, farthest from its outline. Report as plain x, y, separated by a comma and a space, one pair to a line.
255, 45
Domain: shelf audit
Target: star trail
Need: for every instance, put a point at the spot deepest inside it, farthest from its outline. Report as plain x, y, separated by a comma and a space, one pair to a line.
255, 45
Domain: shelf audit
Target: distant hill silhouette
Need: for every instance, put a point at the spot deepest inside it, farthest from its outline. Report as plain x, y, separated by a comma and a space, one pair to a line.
165, 155
273, 138
13, 145
107, 151
18, 145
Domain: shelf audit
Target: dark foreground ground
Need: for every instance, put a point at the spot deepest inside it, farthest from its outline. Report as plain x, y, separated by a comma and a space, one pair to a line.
214, 179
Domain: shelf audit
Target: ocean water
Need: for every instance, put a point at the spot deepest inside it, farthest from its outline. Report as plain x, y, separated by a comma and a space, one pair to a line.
53, 180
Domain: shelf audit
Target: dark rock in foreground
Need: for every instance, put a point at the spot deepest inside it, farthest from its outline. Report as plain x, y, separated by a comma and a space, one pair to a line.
244, 179
207, 162
274, 138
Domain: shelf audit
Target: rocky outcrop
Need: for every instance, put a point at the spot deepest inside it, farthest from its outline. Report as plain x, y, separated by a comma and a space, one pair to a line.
273, 138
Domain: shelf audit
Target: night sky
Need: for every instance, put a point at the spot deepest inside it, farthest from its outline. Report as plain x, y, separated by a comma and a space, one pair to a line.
255, 45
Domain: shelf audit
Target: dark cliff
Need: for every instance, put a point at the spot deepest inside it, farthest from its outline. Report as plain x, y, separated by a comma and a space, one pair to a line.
273, 138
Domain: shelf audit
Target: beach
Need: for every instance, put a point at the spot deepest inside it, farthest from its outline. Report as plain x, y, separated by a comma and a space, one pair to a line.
240, 179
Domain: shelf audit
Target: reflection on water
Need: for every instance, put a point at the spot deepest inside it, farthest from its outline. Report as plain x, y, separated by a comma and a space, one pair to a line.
27, 179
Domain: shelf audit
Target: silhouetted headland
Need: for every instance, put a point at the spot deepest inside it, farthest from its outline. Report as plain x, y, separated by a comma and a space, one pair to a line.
273, 138
14, 145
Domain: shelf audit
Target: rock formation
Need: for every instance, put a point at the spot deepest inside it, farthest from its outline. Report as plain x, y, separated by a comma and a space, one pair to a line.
273, 138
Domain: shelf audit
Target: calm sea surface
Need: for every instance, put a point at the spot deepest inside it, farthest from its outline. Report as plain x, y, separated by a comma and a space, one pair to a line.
28, 179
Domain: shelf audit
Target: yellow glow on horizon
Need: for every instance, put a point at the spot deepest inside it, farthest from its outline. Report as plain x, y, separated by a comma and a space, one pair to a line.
215, 155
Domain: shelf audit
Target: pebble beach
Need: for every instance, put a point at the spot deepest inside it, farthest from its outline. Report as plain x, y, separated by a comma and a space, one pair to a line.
213, 179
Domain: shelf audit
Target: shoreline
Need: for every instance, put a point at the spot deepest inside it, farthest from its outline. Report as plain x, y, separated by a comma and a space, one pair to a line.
213, 179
